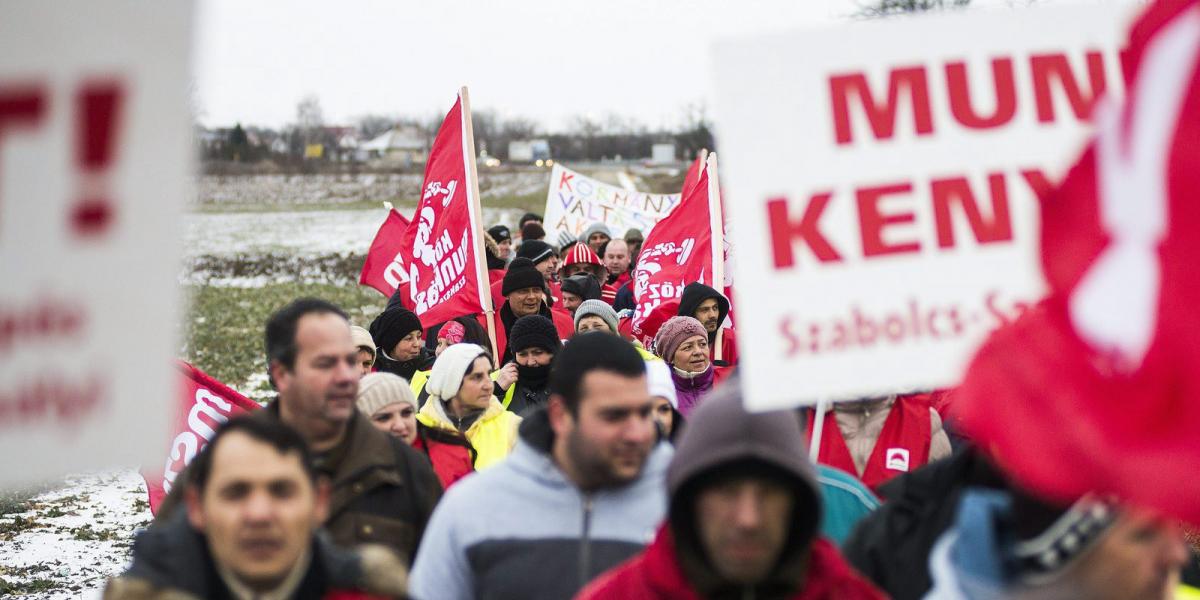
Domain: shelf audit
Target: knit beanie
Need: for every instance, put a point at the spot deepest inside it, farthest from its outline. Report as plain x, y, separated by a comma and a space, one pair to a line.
377, 390
634, 235
674, 333
597, 308
535, 250
362, 338
453, 332
448, 371
500, 233
594, 228
581, 253
521, 275
392, 325
534, 331
658, 379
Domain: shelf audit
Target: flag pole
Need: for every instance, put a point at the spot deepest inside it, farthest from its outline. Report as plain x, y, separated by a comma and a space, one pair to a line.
814, 446
476, 212
716, 222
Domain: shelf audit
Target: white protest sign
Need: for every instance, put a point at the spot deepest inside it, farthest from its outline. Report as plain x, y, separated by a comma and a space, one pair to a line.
575, 201
883, 176
95, 156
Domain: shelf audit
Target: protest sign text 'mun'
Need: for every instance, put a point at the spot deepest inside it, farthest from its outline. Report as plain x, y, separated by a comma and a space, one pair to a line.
885, 177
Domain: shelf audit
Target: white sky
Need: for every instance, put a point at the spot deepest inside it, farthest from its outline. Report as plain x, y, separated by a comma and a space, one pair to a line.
543, 59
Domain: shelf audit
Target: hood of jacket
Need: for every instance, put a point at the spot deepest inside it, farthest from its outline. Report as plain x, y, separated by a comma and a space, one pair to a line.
697, 292
435, 415
722, 439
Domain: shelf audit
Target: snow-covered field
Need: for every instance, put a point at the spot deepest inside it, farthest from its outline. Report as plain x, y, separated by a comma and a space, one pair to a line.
69, 541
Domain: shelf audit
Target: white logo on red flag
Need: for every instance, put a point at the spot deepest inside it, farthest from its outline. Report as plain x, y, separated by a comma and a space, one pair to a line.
384, 269
204, 405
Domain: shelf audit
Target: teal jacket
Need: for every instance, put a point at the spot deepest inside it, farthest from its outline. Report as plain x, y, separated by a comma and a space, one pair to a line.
846, 499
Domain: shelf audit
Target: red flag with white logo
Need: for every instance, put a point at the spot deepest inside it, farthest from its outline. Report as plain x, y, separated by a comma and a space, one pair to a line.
678, 251
447, 272
1095, 388
204, 404
385, 268
693, 173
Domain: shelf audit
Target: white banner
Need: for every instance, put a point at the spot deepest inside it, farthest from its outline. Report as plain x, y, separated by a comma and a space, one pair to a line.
95, 160
575, 201
883, 177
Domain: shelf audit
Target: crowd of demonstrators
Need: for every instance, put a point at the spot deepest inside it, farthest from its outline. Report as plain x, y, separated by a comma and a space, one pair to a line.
249, 529
582, 491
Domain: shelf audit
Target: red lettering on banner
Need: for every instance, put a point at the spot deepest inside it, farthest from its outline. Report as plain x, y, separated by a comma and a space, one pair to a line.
784, 231
99, 110
957, 190
1005, 92
565, 181
881, 117
21, 107
1046, 67
1038, 182
872, 221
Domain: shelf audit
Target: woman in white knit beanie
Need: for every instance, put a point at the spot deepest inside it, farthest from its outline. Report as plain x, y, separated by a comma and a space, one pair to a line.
461, 399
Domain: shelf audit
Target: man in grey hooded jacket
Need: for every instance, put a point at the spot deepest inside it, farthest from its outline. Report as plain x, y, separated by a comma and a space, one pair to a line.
582, 491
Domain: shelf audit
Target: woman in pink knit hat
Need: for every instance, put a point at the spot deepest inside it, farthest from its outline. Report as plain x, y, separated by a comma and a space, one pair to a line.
683, 343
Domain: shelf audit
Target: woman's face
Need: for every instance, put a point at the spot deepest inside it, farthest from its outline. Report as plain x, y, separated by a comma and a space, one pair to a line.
663, 414
398, 419
365, 361
442, 344
476, 390
407, 348
593, 323
692, 355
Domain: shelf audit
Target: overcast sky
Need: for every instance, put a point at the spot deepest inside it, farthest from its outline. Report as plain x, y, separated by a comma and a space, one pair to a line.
543, 59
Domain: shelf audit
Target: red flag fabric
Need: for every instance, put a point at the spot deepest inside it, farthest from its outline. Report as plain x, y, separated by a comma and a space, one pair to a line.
677, 252
1095, 389
385, 267
693, 175
204, 404
442, 239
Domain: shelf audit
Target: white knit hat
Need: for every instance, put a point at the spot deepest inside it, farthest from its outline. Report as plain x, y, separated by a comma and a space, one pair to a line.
658, 379
377, 390
362, 338
448, 371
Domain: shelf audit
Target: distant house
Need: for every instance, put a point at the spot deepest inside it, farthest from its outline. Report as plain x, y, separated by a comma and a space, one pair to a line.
400, 146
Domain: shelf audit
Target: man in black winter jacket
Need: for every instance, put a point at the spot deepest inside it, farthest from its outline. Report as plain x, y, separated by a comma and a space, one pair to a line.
710, 307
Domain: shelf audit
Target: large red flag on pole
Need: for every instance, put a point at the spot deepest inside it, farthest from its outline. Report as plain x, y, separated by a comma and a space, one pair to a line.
447, 268
685, 246
203, 405
1095, 390
384, 269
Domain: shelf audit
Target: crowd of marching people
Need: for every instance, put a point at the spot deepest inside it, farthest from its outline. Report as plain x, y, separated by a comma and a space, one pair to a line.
554, 457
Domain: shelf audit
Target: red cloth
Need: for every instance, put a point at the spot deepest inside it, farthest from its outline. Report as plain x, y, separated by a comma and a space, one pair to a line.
1094, 390
384, 268
451, 462
495, 276
656, 574
608, 293
729, 352
903, 445
621, 280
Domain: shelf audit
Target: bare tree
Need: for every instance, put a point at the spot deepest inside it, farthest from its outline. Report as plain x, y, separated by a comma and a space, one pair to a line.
887, 8
370, 126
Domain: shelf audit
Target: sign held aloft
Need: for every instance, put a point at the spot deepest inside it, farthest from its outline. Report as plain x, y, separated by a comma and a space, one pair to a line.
885, 181
95, 161
575, 201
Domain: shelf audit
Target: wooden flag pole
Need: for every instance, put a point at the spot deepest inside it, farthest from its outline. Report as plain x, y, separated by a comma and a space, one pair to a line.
814, 446
716, 223
476, 212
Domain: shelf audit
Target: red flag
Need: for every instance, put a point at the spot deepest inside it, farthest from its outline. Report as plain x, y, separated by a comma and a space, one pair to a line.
693, 174
385, 267
443, 242
677, 252
204, 405
1095, 389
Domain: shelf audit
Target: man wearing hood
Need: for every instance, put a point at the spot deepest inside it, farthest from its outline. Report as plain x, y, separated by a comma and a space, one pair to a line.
581, 492
743, 518
710, 307
525, 293
397, 332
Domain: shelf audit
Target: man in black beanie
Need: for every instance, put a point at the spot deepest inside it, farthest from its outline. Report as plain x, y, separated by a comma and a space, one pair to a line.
397, 332
534, 341
576, 289
525, 292
543, 256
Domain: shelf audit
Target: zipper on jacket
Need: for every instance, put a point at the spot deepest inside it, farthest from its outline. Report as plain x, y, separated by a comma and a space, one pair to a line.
585, 546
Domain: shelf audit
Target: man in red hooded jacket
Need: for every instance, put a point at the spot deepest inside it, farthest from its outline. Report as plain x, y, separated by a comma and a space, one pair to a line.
743, 518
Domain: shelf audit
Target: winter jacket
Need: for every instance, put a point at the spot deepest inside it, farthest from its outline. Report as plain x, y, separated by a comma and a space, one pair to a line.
423, 361
523, 530
171, 561
625, 299
492, 433
691, 390
891, 546
882, 439
504, 318
451, 460
723, 435
846, 501
383, 489
656, 574
694, 294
